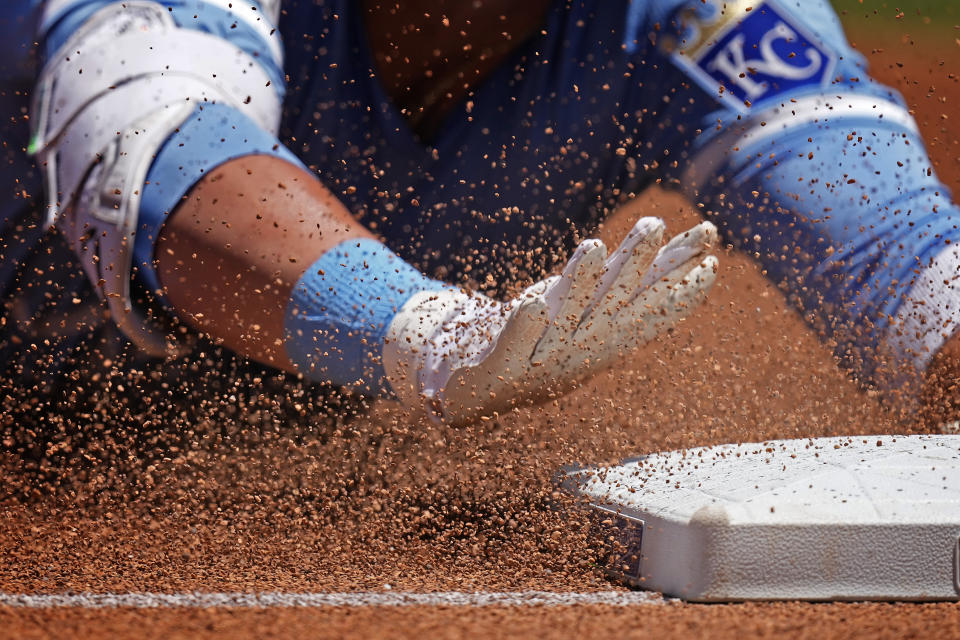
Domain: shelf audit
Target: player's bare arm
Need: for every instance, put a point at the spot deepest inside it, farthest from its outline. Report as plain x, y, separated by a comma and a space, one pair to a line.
229, 257
261, 257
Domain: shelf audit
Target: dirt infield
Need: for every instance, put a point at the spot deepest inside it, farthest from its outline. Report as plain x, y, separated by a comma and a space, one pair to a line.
671, 621
393, 502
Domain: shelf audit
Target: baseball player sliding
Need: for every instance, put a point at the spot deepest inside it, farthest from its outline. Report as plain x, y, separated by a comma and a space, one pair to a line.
309, 182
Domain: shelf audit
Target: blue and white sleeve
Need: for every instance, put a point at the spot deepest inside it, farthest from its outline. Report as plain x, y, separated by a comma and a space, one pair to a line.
215, 132
816, 169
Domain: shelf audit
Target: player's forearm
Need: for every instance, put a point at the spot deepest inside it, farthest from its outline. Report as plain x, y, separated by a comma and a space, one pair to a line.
820, 173
848, 227
230, 255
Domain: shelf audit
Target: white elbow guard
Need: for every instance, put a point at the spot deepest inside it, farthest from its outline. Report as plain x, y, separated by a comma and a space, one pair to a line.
272, 9
104, 105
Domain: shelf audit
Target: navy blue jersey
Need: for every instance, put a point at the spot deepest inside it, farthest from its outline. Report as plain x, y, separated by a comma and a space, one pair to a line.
20, 192
49, 309
759, 111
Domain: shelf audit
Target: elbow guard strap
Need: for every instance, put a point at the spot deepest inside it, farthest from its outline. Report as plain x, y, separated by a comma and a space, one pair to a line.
105, 104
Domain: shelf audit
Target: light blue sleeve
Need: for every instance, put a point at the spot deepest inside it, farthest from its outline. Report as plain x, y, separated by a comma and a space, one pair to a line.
212, 135
801, 158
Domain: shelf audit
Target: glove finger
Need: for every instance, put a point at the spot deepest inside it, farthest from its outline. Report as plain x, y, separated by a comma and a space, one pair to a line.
582, 272
578, 267
671, 264
625, 267
570, 296
663, 305
681, 249
652, 313
619, 283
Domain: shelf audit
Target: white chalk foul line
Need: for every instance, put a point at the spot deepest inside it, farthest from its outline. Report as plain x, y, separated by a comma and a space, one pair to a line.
240, 600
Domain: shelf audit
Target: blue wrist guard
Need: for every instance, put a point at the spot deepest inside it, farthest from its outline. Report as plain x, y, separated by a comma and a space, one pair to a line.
340, 311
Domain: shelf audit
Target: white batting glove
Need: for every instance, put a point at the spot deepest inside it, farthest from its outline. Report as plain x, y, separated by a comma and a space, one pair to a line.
466, 355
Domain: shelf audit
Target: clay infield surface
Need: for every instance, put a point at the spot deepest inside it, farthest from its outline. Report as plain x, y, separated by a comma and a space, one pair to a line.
389, 504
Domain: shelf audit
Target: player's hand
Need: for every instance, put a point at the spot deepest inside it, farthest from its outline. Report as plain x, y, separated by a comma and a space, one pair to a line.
469, 356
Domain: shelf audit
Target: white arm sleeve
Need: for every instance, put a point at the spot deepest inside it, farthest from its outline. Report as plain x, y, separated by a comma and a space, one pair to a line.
105, 103
930, 313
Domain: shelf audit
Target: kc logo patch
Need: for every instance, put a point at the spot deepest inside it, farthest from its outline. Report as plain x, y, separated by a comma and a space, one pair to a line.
745, 52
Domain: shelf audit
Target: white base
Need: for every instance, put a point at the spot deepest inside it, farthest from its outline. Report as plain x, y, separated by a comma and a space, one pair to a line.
850, 518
